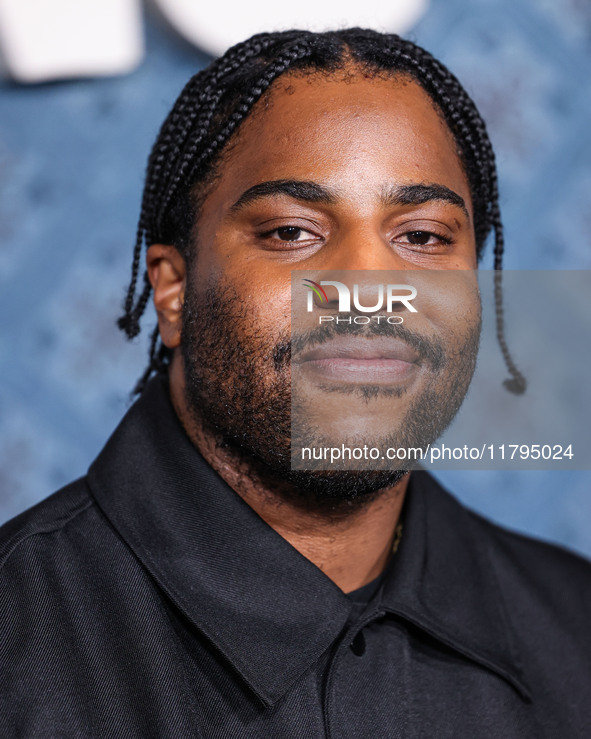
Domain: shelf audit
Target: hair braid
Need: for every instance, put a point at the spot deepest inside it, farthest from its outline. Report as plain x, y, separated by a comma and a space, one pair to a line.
463, 118
129, 321
168, 146
516, 383
195, 156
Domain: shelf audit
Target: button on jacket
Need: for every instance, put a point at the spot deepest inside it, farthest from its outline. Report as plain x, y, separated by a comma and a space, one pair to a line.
148, 600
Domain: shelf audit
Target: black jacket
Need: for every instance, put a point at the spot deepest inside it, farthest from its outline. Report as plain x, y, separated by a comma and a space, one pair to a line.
148, 600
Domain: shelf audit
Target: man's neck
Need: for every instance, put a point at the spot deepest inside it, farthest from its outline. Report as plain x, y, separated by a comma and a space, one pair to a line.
351, 545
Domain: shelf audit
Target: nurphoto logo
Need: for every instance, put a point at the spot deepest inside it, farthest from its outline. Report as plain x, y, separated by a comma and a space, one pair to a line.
387, 296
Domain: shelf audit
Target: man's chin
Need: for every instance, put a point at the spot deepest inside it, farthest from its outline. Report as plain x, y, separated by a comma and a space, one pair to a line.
319, 488
332, 488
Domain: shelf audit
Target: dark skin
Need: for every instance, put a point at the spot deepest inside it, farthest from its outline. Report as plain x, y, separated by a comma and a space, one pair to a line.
358, 137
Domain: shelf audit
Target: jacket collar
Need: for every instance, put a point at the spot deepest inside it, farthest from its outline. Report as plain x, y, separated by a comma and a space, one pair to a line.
266, 608
269, 610
443, 580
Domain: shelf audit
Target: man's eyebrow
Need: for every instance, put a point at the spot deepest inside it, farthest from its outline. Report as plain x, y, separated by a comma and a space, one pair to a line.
309, 192
419, 194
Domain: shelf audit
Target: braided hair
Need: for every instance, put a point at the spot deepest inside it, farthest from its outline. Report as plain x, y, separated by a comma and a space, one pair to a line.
217, 100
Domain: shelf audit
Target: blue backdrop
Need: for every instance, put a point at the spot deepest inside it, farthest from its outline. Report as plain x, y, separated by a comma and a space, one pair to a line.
72, 157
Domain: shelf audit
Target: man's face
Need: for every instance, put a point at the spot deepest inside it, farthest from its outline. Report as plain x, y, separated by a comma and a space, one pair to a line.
345, 148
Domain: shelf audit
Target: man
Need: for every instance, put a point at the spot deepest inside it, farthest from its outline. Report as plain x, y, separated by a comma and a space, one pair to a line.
193, 584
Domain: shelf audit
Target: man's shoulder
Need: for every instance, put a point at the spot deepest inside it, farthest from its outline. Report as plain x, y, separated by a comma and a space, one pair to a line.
543, 588
50, 517
534, 595
515, 554
527, 551
536, 574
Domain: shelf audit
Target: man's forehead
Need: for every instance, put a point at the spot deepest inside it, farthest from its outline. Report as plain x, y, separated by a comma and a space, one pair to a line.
330, 95
343, 133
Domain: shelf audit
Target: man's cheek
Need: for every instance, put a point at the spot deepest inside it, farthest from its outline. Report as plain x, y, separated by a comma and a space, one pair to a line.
452, 315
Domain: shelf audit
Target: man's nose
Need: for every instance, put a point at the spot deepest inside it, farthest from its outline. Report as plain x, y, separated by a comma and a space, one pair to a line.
353, 262
362, 250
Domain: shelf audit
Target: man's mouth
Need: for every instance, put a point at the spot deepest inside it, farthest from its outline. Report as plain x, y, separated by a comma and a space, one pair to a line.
360, 360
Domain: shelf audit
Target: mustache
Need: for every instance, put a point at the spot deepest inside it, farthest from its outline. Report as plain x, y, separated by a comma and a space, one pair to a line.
429, 350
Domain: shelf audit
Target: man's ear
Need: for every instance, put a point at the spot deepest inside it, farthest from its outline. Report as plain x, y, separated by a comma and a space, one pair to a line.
167, 273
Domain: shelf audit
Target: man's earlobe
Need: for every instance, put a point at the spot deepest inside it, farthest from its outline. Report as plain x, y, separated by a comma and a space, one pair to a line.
167, 273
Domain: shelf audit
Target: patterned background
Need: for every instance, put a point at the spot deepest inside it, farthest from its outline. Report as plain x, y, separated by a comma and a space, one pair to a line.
72, 157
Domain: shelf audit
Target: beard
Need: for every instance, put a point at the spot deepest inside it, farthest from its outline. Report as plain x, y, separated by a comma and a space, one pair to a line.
238, 388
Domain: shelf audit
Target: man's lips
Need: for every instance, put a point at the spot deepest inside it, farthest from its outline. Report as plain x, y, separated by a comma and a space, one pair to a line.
361, 360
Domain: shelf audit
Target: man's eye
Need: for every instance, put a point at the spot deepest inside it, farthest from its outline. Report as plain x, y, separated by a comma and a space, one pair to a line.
424, 238
290, 233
